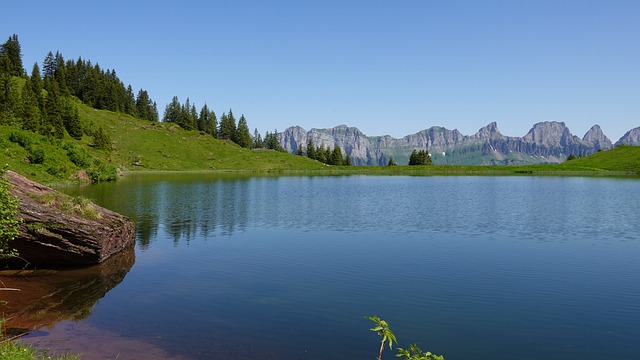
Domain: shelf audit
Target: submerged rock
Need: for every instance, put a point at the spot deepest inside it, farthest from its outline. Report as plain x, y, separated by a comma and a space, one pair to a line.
60, 231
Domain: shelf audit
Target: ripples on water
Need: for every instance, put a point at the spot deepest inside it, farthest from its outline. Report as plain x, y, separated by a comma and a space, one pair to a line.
286, 268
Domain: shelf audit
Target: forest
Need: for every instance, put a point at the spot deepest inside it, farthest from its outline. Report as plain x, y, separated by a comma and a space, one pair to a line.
44, 102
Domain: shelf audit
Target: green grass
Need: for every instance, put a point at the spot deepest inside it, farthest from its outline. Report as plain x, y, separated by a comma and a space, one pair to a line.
140, 145
12, 350
72, 205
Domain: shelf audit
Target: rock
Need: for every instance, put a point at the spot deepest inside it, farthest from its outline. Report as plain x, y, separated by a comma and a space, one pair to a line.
597, 139
50, 237
632, 137
546, 142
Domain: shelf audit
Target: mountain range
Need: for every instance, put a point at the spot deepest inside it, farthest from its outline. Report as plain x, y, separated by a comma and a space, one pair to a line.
546, 142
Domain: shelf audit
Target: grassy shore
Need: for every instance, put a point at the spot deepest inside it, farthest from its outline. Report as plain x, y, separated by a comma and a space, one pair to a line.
11, 350
142, 146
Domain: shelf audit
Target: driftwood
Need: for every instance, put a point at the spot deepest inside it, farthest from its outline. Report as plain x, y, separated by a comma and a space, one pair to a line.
50, 237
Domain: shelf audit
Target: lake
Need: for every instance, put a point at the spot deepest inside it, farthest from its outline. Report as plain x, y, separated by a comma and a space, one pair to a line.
239, 267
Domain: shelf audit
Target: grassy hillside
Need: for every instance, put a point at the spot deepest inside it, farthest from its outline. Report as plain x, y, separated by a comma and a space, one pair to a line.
144, 145
140, 145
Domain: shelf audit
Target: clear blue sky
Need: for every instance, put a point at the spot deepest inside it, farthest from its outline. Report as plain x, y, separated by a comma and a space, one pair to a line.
387, 67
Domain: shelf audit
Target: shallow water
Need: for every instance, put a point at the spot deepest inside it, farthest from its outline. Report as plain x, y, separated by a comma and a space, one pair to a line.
231, 267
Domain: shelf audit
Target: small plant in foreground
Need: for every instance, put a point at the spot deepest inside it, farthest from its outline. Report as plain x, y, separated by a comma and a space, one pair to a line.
415, 353
16, 351
412, 353
9, 220
382, 329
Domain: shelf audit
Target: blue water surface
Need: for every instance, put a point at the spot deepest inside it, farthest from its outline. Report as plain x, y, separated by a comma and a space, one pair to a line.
231, 267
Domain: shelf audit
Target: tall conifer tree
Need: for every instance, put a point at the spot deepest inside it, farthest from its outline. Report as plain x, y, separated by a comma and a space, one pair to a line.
30, 108
243, 136
13, 51
52, 119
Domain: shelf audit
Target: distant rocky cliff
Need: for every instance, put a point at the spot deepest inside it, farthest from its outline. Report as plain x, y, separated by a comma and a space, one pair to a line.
632, 137
546, 142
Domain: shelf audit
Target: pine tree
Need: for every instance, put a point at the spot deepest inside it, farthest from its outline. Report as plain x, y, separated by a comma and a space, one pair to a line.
419, 158
30, 108
213, 124
311, 150
321, 154
186, 118
60, 74
48, 66
227, 127
203, 119
13, 51
71, 119
145, 108
101, 140
193, 117
154, 112
271, 141
130, 107
172, 111
52, 117
336, 156
9, 96
243, 136
347, 160
257, 140
37, 85
232, 126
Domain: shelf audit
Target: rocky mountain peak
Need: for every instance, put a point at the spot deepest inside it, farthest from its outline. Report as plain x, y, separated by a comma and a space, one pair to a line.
548, 133
546, 142
490, 131
632, 137
596, 138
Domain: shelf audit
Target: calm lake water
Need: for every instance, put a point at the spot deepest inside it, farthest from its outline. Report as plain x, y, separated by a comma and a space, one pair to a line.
230, 267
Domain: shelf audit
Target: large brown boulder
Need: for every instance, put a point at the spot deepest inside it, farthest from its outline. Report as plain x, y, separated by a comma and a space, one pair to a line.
60, 231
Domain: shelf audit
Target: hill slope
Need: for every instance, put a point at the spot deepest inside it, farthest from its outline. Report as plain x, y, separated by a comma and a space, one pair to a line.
138, 145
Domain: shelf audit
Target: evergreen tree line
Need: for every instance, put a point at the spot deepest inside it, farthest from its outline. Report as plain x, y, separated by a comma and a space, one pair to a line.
270, 141
225, 128
44, 102
187, 116
324, 154
97, 87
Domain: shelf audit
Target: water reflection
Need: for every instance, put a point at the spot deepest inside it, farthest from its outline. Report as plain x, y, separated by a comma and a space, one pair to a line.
186, 207
45, 297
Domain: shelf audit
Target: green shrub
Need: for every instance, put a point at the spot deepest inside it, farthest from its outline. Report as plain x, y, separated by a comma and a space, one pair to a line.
58, 168
79, 156
37, 156
21, 138
101, 171
9, 221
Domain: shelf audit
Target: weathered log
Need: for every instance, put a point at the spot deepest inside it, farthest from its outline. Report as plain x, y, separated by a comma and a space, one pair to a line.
51, 237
